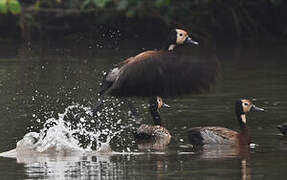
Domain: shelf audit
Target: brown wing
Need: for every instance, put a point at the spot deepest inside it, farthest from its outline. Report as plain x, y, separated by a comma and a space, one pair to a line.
221, 131
166, 74
140, 57
154, 133
217, 135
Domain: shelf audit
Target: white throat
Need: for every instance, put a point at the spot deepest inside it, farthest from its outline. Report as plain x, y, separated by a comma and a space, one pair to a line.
171, 47
243, 118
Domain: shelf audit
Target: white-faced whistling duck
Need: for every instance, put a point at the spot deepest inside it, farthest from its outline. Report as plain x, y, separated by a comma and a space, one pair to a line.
283, 128
155, 135
219, 135
168, 72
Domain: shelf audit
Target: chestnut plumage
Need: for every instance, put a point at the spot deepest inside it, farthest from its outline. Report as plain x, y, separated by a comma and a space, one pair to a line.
221, 135
168, 72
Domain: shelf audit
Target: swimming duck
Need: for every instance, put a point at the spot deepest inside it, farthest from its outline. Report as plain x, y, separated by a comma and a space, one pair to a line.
155, 135
283, 128
221, 135
168, 72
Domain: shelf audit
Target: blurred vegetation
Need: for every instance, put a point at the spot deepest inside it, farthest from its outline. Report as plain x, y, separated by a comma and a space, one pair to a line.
12, 6
241, 18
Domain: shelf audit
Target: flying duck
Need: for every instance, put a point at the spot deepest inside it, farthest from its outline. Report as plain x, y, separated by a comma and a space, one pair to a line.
168, 72
220, 135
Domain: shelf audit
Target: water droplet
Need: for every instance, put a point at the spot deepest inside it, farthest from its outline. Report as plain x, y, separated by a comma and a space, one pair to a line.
252, 145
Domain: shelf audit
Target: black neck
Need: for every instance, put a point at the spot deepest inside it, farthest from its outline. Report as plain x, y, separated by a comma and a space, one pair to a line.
153, 108
170, 40
239, 112
244, 138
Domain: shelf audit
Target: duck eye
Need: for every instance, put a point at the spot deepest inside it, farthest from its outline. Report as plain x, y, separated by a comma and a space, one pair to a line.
180, 34
245, 104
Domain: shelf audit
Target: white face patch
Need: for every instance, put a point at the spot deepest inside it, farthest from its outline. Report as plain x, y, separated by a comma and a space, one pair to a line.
246, 105
159, 102
181, 35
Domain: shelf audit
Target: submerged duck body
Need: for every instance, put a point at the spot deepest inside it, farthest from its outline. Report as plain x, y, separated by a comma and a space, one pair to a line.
154, 135
217, 135
220, 135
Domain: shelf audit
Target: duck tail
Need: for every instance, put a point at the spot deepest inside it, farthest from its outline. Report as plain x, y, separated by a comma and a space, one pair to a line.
195, 137
104, 88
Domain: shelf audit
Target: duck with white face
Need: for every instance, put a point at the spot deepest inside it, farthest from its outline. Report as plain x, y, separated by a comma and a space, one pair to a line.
178, 37
153, 136
129, 78
219, 135
167, 72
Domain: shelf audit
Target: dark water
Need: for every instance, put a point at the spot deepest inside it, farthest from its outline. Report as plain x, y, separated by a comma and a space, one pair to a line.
39, 82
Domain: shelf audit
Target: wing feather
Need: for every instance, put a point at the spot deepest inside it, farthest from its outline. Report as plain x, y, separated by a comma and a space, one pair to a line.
166, 74
217, 135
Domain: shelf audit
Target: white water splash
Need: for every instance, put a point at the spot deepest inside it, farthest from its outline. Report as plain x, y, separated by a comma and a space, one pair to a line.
74, 130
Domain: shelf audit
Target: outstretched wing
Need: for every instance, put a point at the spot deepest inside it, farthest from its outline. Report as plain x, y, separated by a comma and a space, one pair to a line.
165, 74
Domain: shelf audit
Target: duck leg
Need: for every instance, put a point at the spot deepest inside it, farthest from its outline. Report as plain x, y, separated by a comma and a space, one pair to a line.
133, 110
98, 106
105, 86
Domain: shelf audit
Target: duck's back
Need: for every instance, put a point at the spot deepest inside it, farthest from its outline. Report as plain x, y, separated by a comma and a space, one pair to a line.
165, 74
155, 133
212, 135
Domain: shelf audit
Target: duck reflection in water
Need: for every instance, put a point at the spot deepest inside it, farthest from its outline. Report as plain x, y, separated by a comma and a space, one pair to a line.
283, 136
215, 153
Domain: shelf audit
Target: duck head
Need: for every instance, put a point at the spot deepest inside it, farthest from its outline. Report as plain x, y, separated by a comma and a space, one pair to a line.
160, 103
154, 105
244, 106
178, 37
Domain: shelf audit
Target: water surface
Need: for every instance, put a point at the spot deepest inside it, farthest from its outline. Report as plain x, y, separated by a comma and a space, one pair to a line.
39, 83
